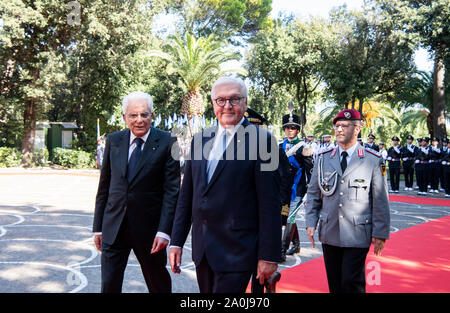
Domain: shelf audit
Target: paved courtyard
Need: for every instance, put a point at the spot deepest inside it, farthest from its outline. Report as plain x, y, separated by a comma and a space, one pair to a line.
46, 240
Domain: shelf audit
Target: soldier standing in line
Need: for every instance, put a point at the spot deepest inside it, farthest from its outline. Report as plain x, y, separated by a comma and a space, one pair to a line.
394, 156
382, 151
408, 157
421, 164
445, 142
435, 165
326, 144
371, 144
347, 198
446, 166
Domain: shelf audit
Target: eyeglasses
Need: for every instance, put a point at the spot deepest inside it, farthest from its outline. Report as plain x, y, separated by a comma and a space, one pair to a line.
134, 116
233, 101
343, 126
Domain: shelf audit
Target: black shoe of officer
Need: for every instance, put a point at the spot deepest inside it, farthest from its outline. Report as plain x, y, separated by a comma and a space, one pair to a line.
295, 248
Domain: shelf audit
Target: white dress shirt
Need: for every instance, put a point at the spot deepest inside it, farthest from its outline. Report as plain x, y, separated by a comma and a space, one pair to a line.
130, 151
349, 151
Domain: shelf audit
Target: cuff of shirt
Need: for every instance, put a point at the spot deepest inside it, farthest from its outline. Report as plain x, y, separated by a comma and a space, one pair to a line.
98, 234
163, 235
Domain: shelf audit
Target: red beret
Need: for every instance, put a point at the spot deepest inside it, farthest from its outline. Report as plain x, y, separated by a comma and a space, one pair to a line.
347, 114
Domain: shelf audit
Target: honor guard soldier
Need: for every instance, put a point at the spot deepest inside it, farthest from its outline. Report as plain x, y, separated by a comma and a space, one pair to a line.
360, 141
371, 144
382, 151
408, 153
446, 165
347, 200
326, 144
421, 164
435, 165
301, 160
394, 156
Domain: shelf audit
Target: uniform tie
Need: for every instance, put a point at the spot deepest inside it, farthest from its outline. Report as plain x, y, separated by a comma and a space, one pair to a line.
134, 159
344, 155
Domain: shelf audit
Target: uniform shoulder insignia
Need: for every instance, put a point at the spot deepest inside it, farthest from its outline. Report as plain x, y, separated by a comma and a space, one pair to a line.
374, 152
326, 151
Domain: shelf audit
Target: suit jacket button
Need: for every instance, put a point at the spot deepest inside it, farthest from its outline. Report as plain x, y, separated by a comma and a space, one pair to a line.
342, 181
341, 216
341, 193
340, 205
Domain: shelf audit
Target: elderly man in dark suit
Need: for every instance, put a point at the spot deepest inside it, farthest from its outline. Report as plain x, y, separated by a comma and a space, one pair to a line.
136, 198
230, 195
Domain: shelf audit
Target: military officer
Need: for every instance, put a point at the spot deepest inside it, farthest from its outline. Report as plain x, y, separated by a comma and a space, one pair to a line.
371, 144
326, 144
382, 151
446, 166
394, 156
347, 198
408, 153
421, 164
300, 156
435, 165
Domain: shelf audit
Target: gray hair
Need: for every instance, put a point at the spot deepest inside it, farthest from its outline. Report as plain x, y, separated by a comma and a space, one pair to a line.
229, 80
134, 96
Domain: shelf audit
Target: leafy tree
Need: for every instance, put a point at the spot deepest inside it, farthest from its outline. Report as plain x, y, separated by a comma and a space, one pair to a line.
197, 62
427, 21
289, 56
372, 57
81, 57
225, 19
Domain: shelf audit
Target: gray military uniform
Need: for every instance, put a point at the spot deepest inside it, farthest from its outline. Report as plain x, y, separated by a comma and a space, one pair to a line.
350, 207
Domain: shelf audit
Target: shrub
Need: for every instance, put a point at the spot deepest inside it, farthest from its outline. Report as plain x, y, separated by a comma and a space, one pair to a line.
10, 157
40, 157
73, 158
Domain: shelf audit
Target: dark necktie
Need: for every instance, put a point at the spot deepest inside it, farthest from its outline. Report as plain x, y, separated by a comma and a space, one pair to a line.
344, 155
134, 159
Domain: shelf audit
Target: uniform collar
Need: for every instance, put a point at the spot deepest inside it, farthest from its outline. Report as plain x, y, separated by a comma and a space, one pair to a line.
349, 151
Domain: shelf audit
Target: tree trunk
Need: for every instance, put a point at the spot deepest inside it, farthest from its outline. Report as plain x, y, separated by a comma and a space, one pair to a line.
29, 118
360, 109
439, 129
192, 104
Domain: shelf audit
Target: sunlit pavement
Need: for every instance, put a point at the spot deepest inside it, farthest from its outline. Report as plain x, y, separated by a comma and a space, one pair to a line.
46, 240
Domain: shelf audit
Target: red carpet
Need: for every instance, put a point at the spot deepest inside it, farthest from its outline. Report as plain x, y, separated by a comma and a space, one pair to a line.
415, 260
420, 200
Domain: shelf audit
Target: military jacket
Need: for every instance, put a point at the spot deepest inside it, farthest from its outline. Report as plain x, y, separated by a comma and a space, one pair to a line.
351, 207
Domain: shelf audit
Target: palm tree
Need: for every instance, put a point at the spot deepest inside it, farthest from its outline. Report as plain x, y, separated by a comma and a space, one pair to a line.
197, 62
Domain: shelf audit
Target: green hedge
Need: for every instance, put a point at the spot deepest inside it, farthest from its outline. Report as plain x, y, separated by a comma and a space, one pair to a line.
10, 157
73, 158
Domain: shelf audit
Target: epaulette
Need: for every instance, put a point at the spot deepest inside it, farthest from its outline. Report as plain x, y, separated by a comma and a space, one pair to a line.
374, 152
326, 151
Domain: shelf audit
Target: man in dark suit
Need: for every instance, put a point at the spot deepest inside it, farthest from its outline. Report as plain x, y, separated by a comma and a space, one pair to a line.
136, 198
230, 195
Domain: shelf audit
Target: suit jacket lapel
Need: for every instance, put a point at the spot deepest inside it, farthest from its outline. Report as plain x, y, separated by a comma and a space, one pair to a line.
223, 162
124, 146
150, 147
